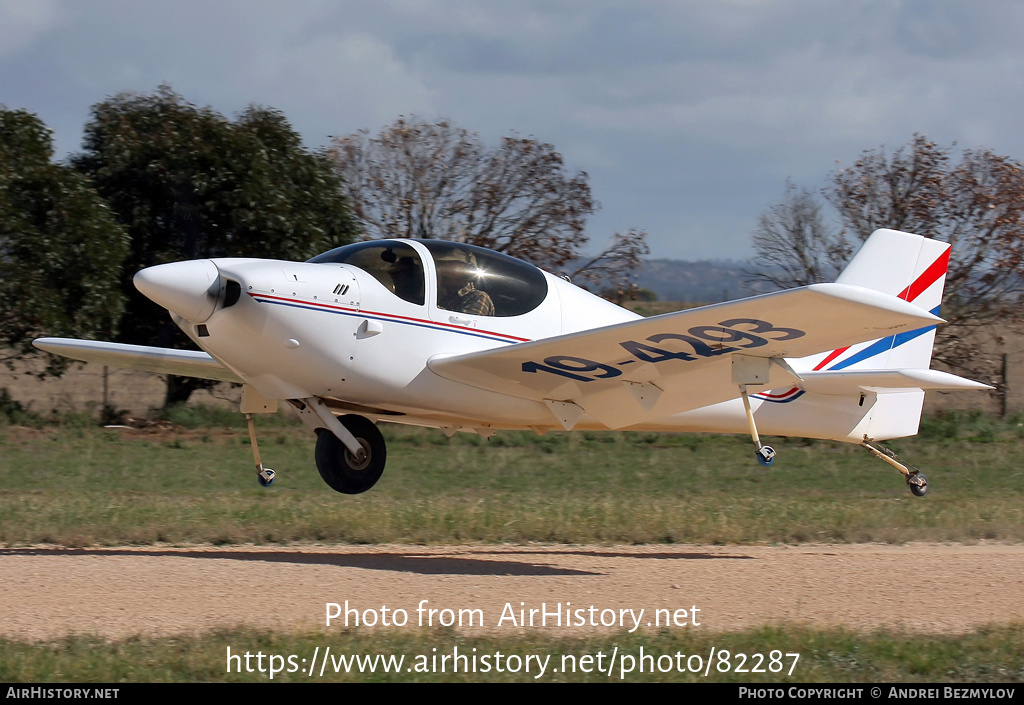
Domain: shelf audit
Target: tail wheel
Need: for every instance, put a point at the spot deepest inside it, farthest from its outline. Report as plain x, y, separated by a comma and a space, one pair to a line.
343, 471
918, 484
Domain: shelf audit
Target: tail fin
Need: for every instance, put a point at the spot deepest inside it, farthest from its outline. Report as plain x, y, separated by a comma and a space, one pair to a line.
904, 265
875, 390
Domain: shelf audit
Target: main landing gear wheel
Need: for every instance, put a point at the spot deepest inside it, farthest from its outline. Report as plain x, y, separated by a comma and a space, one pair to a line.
266, 477
343, 471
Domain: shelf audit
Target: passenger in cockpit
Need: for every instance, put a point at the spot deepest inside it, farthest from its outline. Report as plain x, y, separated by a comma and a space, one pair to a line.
457, 289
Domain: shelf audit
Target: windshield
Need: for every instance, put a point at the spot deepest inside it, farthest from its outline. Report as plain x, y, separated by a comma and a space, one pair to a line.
393, 263
470, 279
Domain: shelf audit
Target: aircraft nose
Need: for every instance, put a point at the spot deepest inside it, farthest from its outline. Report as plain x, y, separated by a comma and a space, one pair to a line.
189, 289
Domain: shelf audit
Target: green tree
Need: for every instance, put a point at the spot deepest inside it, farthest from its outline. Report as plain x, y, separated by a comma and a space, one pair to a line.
189, 183
61, 248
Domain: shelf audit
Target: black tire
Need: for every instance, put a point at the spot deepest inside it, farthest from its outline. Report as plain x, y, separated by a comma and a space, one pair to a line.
919, 490
339, 468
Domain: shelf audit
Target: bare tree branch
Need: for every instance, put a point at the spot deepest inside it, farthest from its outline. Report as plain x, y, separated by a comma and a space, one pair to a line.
615, 267
976, 204
436, 180
794, 245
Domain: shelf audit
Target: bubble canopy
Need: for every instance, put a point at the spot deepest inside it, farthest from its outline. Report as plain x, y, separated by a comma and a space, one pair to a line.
515, 287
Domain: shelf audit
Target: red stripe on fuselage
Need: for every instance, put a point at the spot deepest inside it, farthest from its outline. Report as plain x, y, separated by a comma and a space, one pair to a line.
778, 396
394, 316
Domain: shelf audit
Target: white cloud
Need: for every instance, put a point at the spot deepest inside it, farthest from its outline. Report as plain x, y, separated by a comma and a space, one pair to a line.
22, 23
690, 114
354, 81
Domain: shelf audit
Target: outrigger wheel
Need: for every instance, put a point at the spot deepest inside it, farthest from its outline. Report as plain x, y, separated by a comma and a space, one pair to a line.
765, 455
343, 471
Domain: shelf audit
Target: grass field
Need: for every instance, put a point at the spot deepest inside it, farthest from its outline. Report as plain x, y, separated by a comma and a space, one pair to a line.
78, 485
74, 484
993, 655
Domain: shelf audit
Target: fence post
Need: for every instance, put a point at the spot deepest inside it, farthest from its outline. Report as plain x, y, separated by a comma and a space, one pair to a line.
1004, 388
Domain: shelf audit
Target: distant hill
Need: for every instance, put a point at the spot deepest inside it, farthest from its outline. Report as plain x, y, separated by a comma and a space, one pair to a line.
697, 282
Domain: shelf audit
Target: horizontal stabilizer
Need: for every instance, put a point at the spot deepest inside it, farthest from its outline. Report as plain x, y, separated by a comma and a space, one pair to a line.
185, 363
850, 381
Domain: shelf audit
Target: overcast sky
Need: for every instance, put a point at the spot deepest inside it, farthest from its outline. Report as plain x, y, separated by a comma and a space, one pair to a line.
688, 116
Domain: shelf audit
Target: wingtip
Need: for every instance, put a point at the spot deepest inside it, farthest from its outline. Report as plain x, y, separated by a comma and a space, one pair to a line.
877, 299
46, 344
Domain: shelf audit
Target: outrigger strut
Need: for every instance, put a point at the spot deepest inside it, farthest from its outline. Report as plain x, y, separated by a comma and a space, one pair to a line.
765, 454
747, 369
264, 475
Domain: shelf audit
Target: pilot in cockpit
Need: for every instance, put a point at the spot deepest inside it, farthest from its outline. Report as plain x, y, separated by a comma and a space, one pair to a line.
407, 275
457, 278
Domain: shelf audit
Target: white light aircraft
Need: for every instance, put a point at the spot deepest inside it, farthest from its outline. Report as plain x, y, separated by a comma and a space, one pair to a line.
461, 338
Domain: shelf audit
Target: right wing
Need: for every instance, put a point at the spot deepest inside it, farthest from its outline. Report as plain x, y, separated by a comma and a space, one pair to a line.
184, 363
650, 368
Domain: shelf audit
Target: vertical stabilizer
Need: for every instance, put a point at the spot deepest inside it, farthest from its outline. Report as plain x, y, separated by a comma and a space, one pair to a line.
904, 265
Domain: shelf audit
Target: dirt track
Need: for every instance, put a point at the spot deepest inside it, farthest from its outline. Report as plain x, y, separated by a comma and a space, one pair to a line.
116, 592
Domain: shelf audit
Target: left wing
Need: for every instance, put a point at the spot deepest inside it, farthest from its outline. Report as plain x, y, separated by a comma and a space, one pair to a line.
186, 363
650, 368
